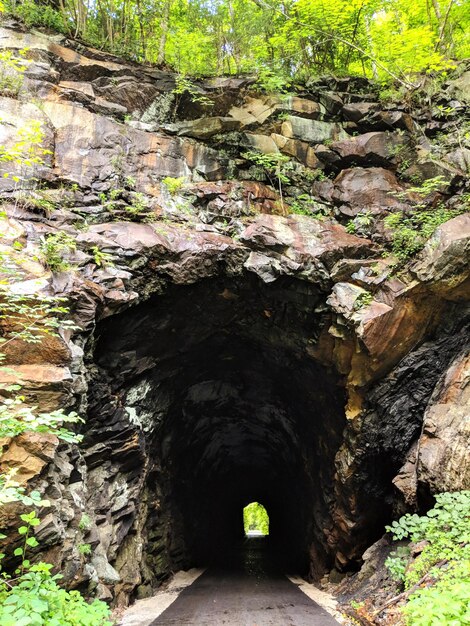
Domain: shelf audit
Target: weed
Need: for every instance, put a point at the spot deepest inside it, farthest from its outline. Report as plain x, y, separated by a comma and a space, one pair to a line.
85, 523
85, 549
101, 258
173, 185
362, 300
55, 249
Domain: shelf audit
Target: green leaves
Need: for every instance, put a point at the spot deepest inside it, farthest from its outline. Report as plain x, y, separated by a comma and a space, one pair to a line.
37, 600
411, 231
444, 559
16, 418
56, 249
278, 40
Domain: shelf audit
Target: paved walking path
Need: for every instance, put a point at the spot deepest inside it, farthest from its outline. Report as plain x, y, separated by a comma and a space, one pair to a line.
253, 592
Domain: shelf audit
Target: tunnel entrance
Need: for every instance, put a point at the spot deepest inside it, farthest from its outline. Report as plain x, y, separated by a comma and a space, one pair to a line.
204, 399
255, 520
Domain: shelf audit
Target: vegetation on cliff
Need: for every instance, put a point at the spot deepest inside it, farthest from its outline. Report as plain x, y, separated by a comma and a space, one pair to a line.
431, 566
435, 567
283, 43
29, 590
281, 40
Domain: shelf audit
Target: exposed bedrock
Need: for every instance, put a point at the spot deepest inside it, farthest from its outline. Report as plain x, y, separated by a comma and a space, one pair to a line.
232, 344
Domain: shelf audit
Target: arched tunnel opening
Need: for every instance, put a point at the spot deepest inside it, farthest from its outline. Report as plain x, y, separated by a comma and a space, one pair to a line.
255, 520
205, 398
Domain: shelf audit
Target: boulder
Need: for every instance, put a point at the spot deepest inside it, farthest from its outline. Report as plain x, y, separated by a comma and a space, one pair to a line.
377, 148
460, 87
311, 131
444, 264
261, 143
303, 107
300, 150
255, 111
109, 153
355, 112
202, 128
312, 245
372, 188
425, 169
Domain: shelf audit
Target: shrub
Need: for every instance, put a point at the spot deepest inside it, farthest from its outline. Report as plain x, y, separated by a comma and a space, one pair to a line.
36, 600
55, 249
439, 577
34, 14
173, 184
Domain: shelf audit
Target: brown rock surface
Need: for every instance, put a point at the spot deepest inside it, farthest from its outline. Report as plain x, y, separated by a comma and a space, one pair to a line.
372, 187
206, 320
443, 265
440, 457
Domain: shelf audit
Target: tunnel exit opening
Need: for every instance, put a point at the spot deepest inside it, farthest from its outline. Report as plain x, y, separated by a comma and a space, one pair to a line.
255, 520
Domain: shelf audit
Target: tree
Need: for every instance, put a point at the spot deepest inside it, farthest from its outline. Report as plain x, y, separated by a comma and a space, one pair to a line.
386, 39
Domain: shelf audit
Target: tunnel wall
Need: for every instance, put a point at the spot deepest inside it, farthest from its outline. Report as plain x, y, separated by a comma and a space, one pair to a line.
217, 403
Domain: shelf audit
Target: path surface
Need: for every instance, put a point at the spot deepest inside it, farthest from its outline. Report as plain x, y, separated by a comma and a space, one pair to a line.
253, 592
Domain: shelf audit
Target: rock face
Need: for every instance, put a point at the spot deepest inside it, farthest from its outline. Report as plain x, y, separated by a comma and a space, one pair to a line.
228, 349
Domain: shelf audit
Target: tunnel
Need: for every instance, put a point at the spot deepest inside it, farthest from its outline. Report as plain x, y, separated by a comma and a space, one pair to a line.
205, 396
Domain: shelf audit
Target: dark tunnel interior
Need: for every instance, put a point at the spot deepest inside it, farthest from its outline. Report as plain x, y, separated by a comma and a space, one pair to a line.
229, 408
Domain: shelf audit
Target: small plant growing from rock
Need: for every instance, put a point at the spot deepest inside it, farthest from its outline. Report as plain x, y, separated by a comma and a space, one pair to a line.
185, 86
173, 185
101, 258
304, 204
275, 165
85, 523
55, 249
425, 189
12, 71
272, 81
85, 549
360, 224
362, 300
437, 579
24, 155
411, 231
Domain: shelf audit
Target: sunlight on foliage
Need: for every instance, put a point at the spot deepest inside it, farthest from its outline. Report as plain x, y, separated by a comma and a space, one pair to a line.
255, 518
280, 41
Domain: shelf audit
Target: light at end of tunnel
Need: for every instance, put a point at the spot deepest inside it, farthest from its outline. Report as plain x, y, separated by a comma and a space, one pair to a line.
255, 520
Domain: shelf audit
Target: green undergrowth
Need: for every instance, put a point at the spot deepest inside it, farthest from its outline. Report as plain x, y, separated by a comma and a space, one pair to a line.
434, 568
411, 231
37, 600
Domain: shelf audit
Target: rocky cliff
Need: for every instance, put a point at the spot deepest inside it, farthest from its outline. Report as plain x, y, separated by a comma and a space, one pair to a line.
250, 327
